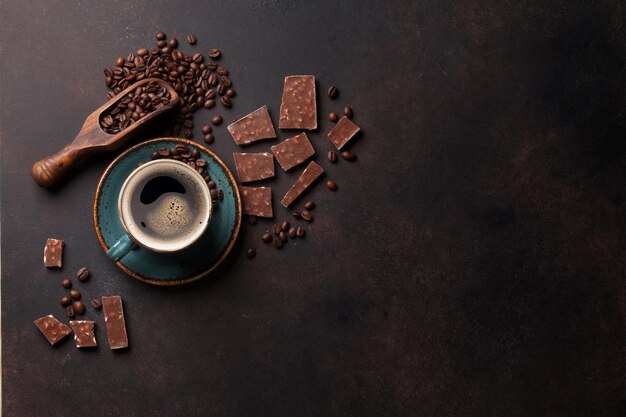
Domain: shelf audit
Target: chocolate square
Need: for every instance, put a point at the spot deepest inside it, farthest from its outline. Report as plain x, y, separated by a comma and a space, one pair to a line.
344, 130
298, 108
115, 322
293, 151
52, 329
253, 127
254, 166
306, 179
84, 335
53, 253
257, 201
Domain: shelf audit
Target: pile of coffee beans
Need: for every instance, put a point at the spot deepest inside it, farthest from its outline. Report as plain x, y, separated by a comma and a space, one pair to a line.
198, 83
134, 106
72, 301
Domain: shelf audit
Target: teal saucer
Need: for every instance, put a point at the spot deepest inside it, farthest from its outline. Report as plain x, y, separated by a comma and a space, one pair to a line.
176, 268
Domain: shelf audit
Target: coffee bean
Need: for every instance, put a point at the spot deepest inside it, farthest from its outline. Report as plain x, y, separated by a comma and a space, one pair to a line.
297, 215
206, 129
79, 307
251, 253
332, 156
276, 229
282, 236
214, 53
191, 40
188, 133
300, 232
226, 82
307, 216
284, 226
231, 92
154, 155
69, 310
277, 243
252, 220
209, 104
332, 92
200, 162
82, 274
309, 205
161, 44
66, 283
119, 62
173, 43
209, 138
226, 102
222, 70
217, 120
65, 301
267, 237
220, 90
142, 52
211, 185
96, 304
332, 116
160, 36
292, 232
196, 154
347, 111
212, 65
75, 294
348, 156
331, 185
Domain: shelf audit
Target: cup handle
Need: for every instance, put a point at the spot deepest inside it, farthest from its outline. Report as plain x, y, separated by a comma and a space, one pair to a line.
121, 248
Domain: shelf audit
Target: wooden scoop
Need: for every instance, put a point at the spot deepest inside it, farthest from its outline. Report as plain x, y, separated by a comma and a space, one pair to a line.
92, 139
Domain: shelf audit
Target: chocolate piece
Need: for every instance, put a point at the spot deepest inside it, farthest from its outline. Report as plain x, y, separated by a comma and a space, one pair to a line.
53, 253
257, 201
298, 109
293, 151
84, 335
308, 176
253, 127
52, 329
254, 166
344, 130
115, 323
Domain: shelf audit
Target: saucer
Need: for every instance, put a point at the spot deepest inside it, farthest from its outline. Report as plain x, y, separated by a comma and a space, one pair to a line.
175, 268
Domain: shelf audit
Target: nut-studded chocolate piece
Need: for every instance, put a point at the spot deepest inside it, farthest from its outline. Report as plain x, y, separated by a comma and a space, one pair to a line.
344, 130
308, 176
257, 201
52, 329
254, 166
298, 109
253, 127
53, 253
293, 151
84, 335
115, 322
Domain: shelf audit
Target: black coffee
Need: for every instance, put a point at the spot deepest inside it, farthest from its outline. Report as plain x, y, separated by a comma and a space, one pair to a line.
158, 186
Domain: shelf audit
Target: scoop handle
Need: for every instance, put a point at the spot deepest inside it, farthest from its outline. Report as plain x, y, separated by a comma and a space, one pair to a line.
51, 169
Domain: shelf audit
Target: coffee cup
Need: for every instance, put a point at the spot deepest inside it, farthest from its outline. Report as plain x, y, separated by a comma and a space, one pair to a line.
164, 206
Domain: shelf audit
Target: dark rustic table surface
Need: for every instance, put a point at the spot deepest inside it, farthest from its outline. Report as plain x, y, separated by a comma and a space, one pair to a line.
472, 262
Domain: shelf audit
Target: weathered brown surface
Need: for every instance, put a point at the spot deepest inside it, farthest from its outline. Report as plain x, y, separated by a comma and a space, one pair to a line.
470, 264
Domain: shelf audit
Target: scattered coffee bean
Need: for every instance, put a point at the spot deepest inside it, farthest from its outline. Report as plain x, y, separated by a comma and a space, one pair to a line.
348, 156
173, 43
161, 44
309, 205
220, 90
160, 36
209, 138
267, 237
217, 120
307, 216
292, 232
206, 129
231, 92
142, 52
252, 220
226, 102
297, 215
82, 274
96, 304
332, 92
222, 70
277, 243
191, 40
79, 307
347, 111
69, 310
282, 236
332, 156
214, 53
284, 226
276, 229
195, 154
300, 232
75, 294
119, 62
65, 301
209, 104
211, 184
66, 283
332, 116
251, 253
331, 185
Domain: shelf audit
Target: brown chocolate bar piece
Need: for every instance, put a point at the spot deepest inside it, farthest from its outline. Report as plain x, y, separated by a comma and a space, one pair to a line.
255, 126
298, 109
52, 329
308, 176
344, 130
53, 253
293, 151
84, 335
115, 323
254, 166
257, 201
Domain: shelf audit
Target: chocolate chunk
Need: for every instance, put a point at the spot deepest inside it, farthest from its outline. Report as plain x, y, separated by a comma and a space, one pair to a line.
257, 201
52, 329
254, 166
84, 335
298, 109
53, 253
293, 151
343, 131
253, 127
115, 323
308, 176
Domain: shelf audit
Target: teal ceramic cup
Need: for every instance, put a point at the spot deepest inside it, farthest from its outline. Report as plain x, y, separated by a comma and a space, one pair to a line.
164, 206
